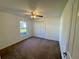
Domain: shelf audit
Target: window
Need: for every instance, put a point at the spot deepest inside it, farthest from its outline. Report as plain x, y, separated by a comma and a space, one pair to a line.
23, 28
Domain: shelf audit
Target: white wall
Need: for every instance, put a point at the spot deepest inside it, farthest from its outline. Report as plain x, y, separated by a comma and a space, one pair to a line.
65, 26
47, 27
9, 29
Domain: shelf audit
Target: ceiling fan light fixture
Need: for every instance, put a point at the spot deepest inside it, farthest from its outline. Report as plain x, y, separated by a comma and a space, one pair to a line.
33, 17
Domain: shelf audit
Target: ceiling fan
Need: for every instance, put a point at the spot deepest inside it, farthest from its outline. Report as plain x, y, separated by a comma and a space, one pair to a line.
31, 13
34, 14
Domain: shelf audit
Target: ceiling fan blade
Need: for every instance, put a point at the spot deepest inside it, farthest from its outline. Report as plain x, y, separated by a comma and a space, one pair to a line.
20, 11
39, 15
28, 14
3, 8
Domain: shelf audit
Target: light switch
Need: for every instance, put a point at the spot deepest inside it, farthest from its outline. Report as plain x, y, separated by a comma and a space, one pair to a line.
78, 13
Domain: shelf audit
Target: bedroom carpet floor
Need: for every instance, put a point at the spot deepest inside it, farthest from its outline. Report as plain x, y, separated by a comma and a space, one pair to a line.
33, 48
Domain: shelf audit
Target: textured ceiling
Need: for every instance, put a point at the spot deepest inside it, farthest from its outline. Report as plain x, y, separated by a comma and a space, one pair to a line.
47, 7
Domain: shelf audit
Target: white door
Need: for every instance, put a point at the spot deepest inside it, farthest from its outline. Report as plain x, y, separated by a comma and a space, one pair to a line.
39, 29
73, 43
75, 52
